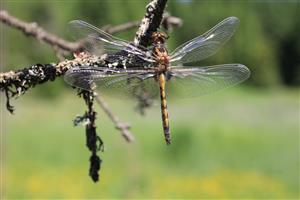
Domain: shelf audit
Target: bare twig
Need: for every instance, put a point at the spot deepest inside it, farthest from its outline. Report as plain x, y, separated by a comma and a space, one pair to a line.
123, 127
33, 29
59, 53
121, 27
169, 22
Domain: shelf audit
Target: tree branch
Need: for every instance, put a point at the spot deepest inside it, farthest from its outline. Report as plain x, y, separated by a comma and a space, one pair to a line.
150, 23
34, 30
123, 127
153, 11
18, 82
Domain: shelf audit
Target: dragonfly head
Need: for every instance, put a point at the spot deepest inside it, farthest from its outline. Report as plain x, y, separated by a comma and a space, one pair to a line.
159, 37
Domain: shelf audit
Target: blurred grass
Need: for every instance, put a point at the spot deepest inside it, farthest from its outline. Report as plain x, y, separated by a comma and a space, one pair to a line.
241, 143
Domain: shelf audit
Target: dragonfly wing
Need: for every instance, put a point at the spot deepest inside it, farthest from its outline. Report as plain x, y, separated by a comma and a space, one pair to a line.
111, 80
205, 45
195, 81
94, 40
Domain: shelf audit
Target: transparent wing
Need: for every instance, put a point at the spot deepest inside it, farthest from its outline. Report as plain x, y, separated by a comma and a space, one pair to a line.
94, 40
131, 81
194, 81
205, 45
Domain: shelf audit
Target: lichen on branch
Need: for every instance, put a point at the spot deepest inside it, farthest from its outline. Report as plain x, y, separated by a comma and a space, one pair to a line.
16, 83
150, 23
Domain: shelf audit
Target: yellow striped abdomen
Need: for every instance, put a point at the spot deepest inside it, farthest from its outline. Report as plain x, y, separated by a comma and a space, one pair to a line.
164, 111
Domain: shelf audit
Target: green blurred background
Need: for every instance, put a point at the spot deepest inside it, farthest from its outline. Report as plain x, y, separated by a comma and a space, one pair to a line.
239, 143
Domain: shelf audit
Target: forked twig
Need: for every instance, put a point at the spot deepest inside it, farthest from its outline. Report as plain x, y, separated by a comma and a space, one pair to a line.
34, 30
15, 83
123, 127
22, 79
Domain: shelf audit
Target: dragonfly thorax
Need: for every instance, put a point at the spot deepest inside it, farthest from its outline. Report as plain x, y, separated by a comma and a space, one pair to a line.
160, 51
158, 38
162, 58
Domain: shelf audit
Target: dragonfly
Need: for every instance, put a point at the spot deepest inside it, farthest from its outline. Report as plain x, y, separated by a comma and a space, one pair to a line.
160, 68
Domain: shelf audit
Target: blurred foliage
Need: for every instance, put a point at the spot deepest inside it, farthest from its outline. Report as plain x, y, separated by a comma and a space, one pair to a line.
264, 28
243, 143
239, 144
267, 41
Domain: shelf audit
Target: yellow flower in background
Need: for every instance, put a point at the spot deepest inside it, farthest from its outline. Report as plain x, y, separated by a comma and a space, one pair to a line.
35, 184
222, 184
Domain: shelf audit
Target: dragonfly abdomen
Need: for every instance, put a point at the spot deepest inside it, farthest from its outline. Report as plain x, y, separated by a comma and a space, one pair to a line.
164, 110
